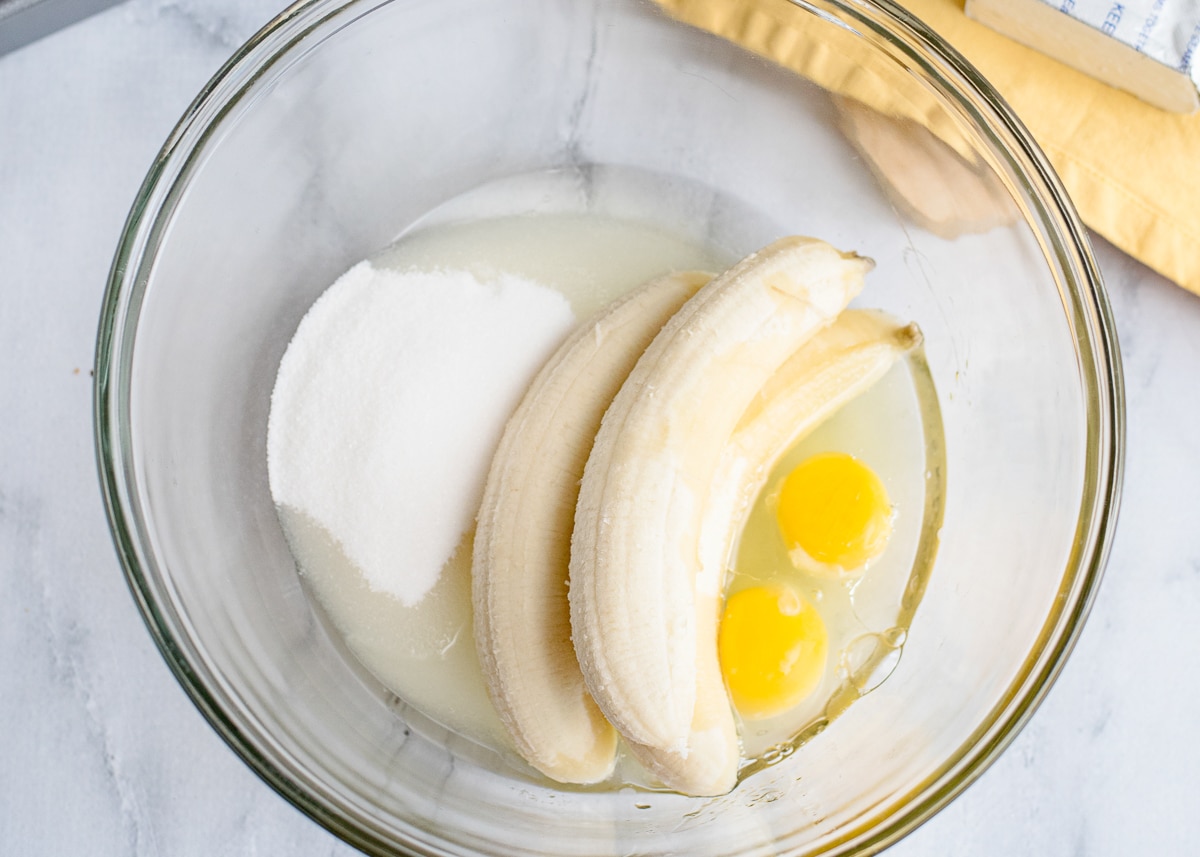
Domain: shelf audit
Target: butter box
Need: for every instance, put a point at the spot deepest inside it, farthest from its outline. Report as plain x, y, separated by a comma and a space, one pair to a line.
1146, 47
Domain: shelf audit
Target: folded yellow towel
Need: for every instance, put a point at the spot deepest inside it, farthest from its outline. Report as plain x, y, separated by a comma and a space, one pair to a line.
1132, 170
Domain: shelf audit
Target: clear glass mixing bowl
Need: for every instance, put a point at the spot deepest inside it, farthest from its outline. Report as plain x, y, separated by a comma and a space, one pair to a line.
342, 123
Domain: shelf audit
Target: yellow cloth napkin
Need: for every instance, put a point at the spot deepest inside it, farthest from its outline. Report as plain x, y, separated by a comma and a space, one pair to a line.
1132, 170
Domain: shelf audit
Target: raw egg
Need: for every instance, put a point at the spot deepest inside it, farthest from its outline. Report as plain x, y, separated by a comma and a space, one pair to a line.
834, 514
773, 647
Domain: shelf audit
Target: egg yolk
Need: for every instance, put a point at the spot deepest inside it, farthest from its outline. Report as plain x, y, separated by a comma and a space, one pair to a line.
833, 513
773, 647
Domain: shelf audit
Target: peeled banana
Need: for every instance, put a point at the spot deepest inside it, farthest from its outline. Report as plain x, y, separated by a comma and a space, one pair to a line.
522, 540
832, 368
643, 609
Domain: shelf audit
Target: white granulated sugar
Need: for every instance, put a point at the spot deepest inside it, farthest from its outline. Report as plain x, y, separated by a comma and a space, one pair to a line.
388, 406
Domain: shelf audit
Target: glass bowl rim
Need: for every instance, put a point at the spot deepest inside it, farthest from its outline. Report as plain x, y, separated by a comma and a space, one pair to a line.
1094, 338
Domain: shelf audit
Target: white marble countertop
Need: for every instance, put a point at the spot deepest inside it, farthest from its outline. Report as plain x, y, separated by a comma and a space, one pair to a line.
102, 754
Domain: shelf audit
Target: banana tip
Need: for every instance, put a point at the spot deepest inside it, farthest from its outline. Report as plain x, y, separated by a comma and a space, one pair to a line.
867, 263
912, 336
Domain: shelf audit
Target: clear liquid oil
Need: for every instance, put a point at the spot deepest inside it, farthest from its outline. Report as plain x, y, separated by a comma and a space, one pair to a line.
594, 237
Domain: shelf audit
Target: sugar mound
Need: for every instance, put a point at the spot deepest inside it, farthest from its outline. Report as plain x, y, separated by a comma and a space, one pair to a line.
389, 403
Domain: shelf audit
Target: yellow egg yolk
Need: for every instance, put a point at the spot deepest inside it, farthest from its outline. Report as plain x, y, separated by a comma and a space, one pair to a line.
773, 647
833, 513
